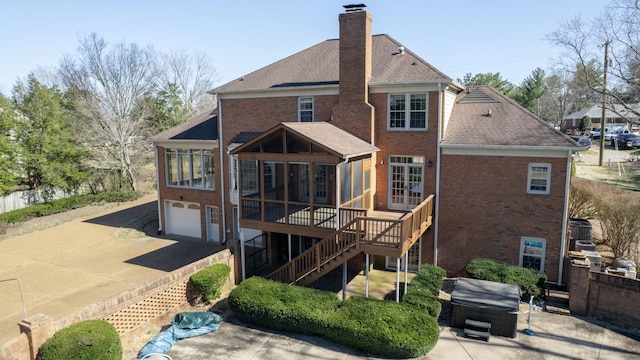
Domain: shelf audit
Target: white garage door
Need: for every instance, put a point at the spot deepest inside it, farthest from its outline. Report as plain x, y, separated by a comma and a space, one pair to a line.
183, 219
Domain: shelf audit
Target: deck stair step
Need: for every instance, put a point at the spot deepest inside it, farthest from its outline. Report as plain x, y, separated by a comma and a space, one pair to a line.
479, 329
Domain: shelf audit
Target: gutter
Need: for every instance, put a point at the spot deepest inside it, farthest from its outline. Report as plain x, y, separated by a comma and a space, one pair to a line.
158, 192
436, 212
222, 183
565, 220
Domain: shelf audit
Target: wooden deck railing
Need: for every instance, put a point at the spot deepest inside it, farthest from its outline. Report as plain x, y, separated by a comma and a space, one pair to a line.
340, 241
396, 234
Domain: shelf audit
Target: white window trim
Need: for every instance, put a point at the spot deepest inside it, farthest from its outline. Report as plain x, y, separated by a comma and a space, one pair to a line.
548, 179
190, 153
407, 110
542, 257
300, 102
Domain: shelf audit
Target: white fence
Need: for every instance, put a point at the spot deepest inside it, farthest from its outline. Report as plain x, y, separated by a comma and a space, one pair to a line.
21, 199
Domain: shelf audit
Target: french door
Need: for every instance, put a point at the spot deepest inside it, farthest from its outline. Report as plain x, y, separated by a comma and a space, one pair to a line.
406, 181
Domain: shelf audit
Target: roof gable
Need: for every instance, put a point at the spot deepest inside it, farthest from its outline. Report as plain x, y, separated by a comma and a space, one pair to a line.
322, 134
318, 66
483, 116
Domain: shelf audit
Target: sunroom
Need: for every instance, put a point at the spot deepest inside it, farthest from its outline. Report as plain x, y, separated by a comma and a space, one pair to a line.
305, 178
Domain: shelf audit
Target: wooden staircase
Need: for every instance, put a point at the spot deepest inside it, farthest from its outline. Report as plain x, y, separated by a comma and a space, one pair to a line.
383, 237
331, 252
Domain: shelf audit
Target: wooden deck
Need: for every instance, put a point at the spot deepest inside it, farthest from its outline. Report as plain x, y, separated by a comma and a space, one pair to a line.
391, 234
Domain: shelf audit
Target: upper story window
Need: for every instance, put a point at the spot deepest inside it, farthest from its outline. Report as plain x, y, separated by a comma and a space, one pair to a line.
407, 112
190, 168
305, 109
539, 178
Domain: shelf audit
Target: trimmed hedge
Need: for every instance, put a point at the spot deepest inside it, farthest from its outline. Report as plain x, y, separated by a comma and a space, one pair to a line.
87, 340
424, 289
61, 205
210, 281
530, 281
384, 328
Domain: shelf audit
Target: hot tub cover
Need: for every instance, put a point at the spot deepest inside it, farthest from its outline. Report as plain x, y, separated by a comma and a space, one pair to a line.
486, 294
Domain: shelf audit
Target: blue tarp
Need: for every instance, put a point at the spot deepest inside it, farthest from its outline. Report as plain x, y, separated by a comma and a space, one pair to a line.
184, 325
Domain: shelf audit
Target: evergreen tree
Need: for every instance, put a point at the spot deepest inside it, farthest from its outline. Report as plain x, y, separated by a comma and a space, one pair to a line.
531, 91
50, 156
8, 146
493, 80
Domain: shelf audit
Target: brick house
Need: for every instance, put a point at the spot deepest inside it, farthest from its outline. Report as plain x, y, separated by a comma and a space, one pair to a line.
357, 151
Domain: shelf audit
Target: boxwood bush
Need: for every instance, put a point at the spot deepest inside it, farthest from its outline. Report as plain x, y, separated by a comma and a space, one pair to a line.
69, 203
424, 289
210, 281
530, 281
87, 340
384, 328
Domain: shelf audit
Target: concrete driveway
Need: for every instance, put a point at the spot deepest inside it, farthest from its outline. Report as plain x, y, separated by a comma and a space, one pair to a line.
67, 267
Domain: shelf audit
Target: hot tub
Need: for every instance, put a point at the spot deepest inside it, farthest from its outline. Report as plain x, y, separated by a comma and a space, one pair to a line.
486, 301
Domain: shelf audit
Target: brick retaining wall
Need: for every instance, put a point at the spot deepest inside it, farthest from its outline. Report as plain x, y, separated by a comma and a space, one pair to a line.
130, 312
606, 296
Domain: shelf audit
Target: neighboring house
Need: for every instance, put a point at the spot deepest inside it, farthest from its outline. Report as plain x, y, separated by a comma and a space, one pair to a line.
358, 150
617, 115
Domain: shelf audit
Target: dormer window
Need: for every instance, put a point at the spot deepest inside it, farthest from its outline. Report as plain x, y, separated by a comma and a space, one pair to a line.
305, 109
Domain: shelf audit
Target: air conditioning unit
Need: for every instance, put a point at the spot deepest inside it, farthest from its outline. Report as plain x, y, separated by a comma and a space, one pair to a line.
596, 261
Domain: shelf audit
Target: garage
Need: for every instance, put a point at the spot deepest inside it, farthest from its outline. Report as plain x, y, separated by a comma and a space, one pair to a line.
183, 219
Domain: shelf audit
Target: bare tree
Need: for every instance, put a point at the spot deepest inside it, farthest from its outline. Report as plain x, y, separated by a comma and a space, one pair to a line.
110, 85
193, 75
619, 27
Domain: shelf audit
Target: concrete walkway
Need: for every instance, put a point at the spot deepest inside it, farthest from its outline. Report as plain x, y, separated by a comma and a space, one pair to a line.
556, 337
67, 267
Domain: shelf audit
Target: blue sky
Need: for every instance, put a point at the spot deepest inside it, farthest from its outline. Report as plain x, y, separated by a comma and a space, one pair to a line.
505, 36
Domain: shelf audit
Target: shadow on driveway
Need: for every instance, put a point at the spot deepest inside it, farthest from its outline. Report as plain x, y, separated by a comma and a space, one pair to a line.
176, 255
125, 217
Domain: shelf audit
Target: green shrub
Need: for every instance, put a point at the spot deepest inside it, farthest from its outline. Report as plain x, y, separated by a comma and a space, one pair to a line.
424, 289
91, 339
529, 280
210, 281
378, 327
281, 306
69, 203
384, 328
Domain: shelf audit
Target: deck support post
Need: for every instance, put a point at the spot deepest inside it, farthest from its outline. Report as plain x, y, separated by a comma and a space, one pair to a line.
397, 279
344, 280
366, 276
242, 255
406, 272
289, 245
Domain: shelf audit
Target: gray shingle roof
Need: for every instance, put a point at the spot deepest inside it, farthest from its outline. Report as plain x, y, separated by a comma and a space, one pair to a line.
595, 112
331, 138
484, 116
204, 127
318, 65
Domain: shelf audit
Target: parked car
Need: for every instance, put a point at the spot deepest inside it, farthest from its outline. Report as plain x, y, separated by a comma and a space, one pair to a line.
584, 141
595, 133
628, 141
614, 132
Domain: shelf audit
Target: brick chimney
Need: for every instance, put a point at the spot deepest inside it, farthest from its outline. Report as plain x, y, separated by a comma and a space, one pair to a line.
353, 112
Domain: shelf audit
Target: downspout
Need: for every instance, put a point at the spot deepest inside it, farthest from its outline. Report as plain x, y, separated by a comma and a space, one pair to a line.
222, 183
437, 205
158, 192
565, 216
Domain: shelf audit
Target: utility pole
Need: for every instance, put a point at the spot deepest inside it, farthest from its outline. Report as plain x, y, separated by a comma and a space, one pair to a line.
603, 120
